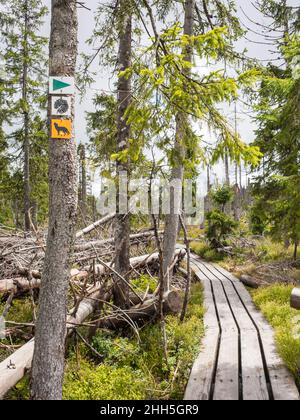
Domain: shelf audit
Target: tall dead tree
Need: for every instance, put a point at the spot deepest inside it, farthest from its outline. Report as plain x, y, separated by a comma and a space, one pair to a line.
26, 141
48, 361
122, 221
172, 219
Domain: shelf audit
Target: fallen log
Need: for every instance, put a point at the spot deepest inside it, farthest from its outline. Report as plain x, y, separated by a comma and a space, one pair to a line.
172, 303
18, 285
105, 242
295, 299
249, 281
22, 284
95, 225
138, 262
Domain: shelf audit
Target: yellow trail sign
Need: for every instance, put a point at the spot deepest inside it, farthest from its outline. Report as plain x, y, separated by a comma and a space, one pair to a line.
61, 129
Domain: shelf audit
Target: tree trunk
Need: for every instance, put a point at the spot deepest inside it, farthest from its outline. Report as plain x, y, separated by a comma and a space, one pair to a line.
26, 141
208, 179
227, 175
83, 186
172, 220
296, 250
122, 222
48, 362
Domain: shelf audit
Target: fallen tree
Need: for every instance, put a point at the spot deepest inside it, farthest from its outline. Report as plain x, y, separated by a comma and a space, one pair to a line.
95, 225
172, 303
18, 285
105, 242
250, 281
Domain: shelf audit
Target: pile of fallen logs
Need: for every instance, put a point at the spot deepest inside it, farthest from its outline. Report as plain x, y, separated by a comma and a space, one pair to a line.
91, 284
22, 256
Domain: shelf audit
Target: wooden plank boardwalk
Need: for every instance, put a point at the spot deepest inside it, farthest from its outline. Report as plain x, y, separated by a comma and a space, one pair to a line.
238, 359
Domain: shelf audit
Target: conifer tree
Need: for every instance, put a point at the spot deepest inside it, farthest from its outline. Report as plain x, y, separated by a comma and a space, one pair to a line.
278, 109
26, 71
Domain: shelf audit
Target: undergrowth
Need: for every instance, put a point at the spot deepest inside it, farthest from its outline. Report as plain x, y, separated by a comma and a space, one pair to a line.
274, 302
135, 368
20, 312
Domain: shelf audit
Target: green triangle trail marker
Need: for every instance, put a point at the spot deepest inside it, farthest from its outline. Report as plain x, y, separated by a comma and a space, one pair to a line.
61, 85
58, 84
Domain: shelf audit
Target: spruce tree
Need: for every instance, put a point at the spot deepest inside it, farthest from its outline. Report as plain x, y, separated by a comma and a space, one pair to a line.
26, 71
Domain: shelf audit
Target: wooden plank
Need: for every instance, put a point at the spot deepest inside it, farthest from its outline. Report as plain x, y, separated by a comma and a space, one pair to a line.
255, 314
247, 317
200, 382
210, 317
253, 373
227, 377
282, 381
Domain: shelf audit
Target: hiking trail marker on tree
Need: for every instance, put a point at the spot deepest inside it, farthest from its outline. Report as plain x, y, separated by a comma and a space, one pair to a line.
61, 106
61, 85
61, 129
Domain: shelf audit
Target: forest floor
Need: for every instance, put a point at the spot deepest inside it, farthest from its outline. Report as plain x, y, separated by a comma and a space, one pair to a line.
131, 367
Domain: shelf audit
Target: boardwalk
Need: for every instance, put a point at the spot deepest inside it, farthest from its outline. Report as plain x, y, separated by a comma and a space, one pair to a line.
238, 360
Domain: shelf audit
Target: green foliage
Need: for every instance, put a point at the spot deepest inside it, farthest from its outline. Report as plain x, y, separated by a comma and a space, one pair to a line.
144, 282
22, 47
204, 250
219, 226
20, 311
103, 383
134, 369
274, 301
277, 190
222, 196
198, 97
270, 250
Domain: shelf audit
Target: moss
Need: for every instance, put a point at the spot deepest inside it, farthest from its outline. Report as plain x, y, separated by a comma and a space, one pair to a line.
274, 302
20, 311
104, 382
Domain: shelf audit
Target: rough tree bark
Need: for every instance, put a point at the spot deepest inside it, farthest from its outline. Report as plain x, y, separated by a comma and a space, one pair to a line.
48, 362
172, 220
83, 179
26, 141
122, 221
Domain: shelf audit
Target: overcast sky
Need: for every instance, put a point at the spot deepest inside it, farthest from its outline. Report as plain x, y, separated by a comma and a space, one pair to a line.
247, 13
